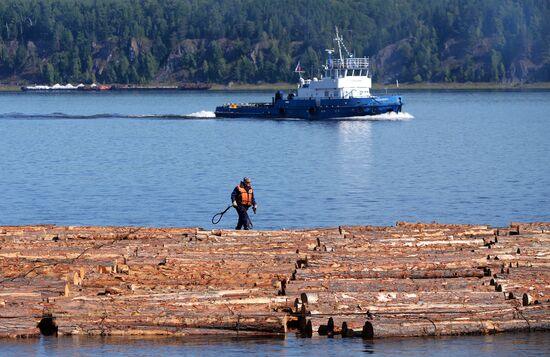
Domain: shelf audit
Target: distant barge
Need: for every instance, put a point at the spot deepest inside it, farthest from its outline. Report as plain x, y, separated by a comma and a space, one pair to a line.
105, 87
66, 87
184, 86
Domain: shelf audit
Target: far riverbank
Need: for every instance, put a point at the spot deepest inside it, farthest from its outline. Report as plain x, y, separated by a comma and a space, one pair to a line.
468, 86
376, 86
407, 86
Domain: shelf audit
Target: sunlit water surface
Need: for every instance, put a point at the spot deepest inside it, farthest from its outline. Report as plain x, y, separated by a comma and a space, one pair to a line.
160, 159
520, 344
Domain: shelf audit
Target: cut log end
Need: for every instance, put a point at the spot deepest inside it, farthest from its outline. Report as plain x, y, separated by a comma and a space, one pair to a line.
346, 331
368, 331
526, 299
47, 326
330, 324
308, 332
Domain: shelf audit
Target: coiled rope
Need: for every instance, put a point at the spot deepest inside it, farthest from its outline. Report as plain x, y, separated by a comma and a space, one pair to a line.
217, 220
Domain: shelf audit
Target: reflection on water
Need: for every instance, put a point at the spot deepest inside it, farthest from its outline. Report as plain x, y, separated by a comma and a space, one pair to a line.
354, 163
509, 344
354, 133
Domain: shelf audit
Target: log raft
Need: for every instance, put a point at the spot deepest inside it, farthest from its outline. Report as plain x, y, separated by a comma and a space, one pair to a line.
410, 279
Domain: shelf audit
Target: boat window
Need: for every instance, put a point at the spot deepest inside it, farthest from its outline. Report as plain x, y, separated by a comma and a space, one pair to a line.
326, 93
336, 93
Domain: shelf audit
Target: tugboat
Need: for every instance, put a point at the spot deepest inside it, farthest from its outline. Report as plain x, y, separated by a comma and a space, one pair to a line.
342, 92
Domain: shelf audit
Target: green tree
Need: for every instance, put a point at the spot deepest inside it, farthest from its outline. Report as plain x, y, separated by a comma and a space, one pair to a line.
496, 66
123, 70
250, 40
48, 73
20, 58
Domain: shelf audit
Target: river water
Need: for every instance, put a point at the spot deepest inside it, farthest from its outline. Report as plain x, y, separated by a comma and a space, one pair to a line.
508, 344
160, 159
135, 158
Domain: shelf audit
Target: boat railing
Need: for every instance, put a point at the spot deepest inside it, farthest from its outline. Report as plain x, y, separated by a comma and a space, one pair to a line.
348, 63
247, 105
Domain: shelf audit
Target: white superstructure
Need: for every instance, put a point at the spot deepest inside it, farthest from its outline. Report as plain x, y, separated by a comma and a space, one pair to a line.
343, 78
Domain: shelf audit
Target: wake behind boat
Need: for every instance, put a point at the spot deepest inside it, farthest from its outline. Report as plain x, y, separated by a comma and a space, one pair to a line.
342, 92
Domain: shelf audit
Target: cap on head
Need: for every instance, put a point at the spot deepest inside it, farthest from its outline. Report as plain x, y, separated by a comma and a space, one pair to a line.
247, 180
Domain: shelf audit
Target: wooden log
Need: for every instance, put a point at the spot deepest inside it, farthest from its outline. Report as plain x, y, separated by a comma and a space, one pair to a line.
393, 328
394, 274
389, 284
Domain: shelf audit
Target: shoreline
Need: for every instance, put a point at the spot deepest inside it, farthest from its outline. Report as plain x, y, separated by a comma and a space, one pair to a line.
376, 86
404, 86
411, 279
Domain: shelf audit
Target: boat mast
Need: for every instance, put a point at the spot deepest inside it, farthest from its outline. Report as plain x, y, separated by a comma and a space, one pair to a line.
339, 40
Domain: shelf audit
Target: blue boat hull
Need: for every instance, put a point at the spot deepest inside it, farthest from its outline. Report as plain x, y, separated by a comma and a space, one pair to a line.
313, 109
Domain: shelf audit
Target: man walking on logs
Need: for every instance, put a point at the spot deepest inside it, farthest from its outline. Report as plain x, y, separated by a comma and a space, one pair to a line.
242, 198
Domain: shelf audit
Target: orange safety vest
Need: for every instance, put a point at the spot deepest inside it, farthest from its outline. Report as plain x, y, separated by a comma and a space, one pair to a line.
246, 196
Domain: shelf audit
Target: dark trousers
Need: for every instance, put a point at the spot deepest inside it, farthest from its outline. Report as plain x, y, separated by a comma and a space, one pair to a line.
244, 220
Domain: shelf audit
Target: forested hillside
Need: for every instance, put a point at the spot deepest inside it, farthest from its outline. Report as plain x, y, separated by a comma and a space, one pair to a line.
142, 41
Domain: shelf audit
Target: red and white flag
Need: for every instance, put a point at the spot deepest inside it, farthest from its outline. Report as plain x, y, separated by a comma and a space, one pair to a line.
298, 68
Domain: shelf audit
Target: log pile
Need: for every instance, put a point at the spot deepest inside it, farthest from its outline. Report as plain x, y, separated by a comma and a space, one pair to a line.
425, 279
407, 280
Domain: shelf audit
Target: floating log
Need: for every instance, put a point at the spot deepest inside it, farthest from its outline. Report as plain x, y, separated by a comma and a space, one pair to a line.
394, 274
